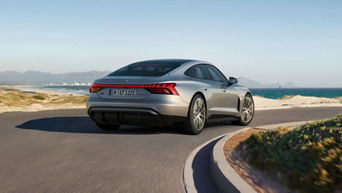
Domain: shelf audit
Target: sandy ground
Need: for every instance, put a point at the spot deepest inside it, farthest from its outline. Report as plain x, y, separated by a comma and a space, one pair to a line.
16, 98
295, 101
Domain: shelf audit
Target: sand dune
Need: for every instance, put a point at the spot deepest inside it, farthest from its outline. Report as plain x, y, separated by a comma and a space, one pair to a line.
295, 101
16, 99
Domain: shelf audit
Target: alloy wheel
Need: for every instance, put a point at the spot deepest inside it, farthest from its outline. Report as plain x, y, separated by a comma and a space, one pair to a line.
248, 109
198, 114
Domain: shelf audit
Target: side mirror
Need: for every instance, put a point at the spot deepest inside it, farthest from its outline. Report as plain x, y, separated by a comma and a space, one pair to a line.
232, 81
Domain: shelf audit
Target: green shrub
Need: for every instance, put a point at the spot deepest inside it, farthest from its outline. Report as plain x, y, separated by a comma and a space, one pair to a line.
38, 97
309, 158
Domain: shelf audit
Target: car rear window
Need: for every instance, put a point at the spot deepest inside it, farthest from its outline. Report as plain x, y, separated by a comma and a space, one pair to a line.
146, 69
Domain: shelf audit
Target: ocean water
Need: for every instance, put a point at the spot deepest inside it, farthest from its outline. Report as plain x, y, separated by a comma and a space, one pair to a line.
77, 90
272, 93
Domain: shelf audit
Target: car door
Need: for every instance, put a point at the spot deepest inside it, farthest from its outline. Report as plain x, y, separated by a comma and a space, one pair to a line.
225, 99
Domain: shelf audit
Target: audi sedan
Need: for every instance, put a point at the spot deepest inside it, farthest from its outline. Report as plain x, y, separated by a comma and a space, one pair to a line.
168, 92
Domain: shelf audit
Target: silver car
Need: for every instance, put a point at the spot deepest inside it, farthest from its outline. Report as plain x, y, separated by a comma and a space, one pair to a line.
168, 92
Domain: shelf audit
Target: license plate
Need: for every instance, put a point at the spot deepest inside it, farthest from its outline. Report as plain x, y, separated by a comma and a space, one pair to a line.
122, 92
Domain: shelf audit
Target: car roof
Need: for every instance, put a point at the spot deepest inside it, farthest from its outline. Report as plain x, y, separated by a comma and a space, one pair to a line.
168, 61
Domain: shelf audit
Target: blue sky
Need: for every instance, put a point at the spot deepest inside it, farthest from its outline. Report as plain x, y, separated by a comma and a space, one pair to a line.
268, 41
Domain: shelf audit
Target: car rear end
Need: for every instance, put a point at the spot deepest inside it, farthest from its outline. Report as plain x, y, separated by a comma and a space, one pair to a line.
144, 97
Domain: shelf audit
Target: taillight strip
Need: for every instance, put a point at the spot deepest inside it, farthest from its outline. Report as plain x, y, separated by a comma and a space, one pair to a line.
170, 86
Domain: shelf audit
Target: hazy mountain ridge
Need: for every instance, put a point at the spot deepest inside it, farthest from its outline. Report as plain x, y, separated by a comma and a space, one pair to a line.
37, 77
254, 84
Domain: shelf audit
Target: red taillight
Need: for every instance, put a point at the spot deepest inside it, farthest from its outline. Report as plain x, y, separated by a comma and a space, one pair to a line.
162, 88
95, 88
166, 88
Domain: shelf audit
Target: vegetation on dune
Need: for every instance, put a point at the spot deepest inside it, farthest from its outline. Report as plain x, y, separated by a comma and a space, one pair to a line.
18, 99
286, 97
340, 99
308, 158
38, 97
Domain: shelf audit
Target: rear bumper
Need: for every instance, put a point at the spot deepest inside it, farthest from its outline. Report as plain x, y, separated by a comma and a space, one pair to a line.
151, 110
167, 105
131, 116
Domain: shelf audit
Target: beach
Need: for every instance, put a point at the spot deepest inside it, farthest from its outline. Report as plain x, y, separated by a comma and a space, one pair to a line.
15, 98
286, 102
26, 99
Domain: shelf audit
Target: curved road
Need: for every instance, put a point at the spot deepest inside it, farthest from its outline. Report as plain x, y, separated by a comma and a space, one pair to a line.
64, 151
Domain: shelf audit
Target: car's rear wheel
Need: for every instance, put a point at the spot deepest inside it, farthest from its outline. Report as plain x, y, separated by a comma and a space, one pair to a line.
197, 115
108, 127
248, 110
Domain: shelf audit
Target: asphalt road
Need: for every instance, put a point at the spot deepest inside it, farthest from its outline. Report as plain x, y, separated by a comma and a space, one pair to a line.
64, 151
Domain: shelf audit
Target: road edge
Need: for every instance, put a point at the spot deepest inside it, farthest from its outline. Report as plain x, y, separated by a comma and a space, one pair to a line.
225, 177
188, 179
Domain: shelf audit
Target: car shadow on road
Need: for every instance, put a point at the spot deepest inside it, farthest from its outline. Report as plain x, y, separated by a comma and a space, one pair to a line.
86, 125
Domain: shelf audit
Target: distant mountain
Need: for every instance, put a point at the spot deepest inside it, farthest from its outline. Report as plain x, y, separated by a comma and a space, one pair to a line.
249, 83
254, 84
36, 77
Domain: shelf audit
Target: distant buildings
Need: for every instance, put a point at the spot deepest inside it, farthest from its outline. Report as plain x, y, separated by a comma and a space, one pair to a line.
69, 84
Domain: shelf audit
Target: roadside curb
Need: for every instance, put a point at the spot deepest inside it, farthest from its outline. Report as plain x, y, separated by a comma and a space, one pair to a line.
188, 179
224, 176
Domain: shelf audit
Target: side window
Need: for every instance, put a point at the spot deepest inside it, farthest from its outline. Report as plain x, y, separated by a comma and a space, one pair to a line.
205, 72
216, 74
195, 72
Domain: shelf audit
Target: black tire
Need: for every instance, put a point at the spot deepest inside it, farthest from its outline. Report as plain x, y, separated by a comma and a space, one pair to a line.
243, 120
193, 124
108, 127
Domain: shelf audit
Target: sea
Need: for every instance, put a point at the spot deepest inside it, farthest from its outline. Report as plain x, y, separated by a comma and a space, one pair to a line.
272, 93
68, 89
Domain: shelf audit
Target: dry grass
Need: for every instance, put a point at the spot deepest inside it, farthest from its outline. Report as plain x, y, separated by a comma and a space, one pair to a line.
286, 97
340, 99
13, 98
261, 182
308, 158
